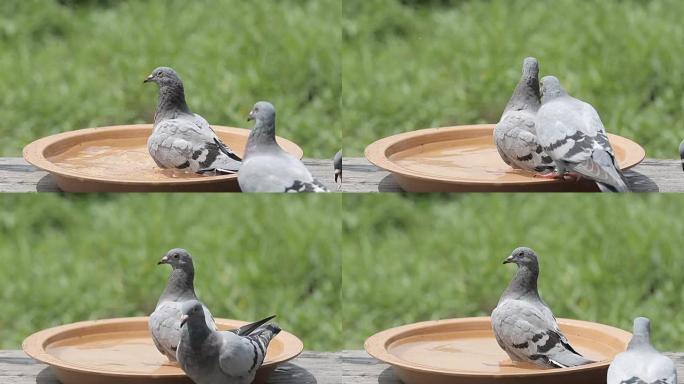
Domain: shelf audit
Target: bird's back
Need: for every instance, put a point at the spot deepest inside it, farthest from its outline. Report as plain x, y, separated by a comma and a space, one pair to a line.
271, 172
649, 367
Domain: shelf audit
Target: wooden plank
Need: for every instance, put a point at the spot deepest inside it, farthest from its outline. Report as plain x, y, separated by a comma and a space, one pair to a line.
359, 368
16, 175
359, 176
308, 368
650, 176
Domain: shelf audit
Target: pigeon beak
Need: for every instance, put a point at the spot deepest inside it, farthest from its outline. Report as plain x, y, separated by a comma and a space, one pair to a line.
250, 117
148, 79
183, 319
164, 260
509, 259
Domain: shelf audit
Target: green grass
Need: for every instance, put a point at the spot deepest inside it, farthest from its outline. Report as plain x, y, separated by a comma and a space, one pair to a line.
71, 67
67, 259
423, 65
606, 259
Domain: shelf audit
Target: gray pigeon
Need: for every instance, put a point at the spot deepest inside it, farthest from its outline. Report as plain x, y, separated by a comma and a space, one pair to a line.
681, 153
267, 167
164, 322
515, 135
181, 139
572, 134
209, 357
523, 324
641, 363
337, 166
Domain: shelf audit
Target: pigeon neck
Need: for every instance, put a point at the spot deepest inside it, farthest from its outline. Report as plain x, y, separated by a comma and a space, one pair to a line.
640, 341
524, 284
197, 331
261, 137
171, 102
526, 94
180, 286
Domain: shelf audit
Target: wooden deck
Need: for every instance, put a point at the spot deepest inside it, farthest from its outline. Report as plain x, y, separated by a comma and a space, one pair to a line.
651, 175
359, 176
16, 175
347, 367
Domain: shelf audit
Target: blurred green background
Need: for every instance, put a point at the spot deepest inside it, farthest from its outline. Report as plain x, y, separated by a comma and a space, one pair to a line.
603, 258
72, 258
415, 64
73, 64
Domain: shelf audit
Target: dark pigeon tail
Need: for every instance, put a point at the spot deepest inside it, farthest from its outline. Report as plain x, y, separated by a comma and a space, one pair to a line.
601, 168
224, 148
681, 153
250, 328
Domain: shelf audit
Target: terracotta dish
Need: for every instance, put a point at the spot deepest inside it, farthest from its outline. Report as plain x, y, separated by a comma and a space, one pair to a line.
464, 351
121, 351
115, 159
464, 159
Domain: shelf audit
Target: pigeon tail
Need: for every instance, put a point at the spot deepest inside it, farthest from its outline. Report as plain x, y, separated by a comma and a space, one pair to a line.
337, 165
602, 169
568, 359
267, 333
681, 153
225, 165
248, 329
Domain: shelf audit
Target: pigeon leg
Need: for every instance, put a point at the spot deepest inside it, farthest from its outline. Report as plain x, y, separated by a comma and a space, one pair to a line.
549, 175
572, 176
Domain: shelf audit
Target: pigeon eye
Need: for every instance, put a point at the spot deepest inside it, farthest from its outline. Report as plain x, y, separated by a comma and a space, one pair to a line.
175, 256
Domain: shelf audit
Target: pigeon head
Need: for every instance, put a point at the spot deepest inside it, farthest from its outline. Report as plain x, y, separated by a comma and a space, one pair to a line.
263, 112
551, 88
523, 257
191, 309
642, 326
163, 76
531, 67
178, 258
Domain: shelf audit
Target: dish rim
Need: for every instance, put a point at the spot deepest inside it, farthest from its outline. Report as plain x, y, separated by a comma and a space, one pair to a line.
378, 347
377, 154
34, 154
35, 346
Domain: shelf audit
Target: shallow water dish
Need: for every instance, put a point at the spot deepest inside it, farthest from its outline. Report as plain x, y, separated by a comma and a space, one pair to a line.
464, 159
464, 351
115, 159
121, 351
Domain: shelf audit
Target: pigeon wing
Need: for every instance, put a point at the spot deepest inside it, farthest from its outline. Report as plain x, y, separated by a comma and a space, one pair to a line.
525, 331
239, 356
164, 324
277, 172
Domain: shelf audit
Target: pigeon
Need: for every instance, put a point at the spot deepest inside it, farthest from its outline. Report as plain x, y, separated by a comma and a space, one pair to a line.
523, 324
164, 322
681, 153
337, 166
181, 139
572, 134
208, 356
641, 363
515, 135
267, 167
